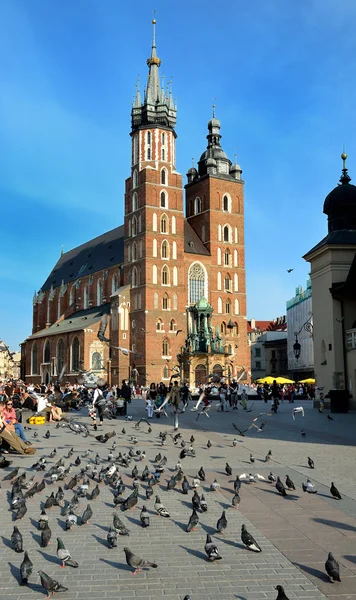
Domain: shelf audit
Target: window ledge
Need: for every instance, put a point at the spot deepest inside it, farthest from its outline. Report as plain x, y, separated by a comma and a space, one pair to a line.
166, 357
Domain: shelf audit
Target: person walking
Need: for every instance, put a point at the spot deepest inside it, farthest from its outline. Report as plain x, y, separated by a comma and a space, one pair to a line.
126, 394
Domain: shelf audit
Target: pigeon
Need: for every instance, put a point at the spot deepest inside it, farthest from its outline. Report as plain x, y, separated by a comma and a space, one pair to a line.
144, 517
268, 456
47, 435
215, 486
234, 442
10, 476
203, 504
160, 509
222, 523
193, 521
195, 483
196, 500
35, 434
228, 469
271, 478
50, 502
289, 483
329, 418
280, 487
22, 510
211, 549
137, 563
252, 460
281, 593
201, 474
332, 568
25, 569
46, 535
237, 484
65, 556
259, 477
310, 463
42, 520
71, 520
112, 538
119, 526
192, 439
17, 540
87, 515
235, 502
131, 501
59, 497
185, 486
303, 433
248, 540
95, 493
209, 444
309, 487
335, 492
51, 585
149, 492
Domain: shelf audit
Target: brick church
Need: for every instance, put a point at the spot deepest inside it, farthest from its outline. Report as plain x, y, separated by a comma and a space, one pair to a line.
171, 282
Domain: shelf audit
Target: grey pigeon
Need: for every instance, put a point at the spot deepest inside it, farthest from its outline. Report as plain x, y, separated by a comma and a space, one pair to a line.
222, 523
280, 487
137, 563
43, 519
46, 535
248, 540
289, 483
310, 463
281, 593
87, 515
185, 486
193, 521
196, 500
119, 526
144, 517
17, 540
71, 520
51, 585
64, 555
335, 492
95, 493
26, 569
203, 504
211, 549
309, 487
237, 484
160, 509
228, 469
332, 568
22, 510
236, 500
112, 538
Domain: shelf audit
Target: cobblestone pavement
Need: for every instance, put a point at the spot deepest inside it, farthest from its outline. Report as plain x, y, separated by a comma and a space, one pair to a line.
295, 533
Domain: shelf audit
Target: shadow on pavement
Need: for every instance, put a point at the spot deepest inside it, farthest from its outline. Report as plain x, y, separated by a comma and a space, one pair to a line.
350, 558
196, 553
312, 571
335, 524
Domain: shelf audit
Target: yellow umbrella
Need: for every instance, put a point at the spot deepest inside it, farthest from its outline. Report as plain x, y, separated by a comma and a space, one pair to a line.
267, 379
309, 380
283, 380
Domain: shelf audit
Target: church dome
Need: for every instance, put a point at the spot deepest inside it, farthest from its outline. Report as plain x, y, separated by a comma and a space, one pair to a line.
340, 203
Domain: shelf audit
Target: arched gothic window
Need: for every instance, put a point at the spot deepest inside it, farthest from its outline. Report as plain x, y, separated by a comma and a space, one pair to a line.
226, 203
197, 283
235, 331
134, 201
165, 275
60, 356
154, 274
159, 325
223, 328
237, 307
228, 307
163, 154
227, 257
165, 249
174, 250
165, 372
114, 284
154, 248
163, 200
173, 325
165, 348
197, 205
134, 251
227, 282
99, 292
219, 306
163, 177
71, 295
173, 224
164, 224
85, 297
154, 222
34, 359
47, 352
135, 179
134, 279
96, 361
75, 354
175, 276
227, 235
165, 302
134, 227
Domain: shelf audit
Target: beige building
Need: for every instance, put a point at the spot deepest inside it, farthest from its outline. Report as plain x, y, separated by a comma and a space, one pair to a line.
333, 277
9, 362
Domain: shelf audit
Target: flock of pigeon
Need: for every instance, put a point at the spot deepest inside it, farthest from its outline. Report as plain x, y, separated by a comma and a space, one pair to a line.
84, 477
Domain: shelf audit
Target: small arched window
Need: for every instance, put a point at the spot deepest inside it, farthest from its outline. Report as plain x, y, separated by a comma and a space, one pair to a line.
165, 275
165, 302
128, 253
134, 227
175, 276
236, 282
155, 300
227, 234
96, 361
163, 177
60, 356
163, 200
159, 325
219, 256
154, 222
134, 251
174, 250
86, 297
154, 274
172, 325
163, 139
226, 203
235, 331
164, 224
163, 154
197, 205
227, 282
148, 153
236, 258
59, 306
34, 359
219, 284
134, 278
165, 249
228, 307
229, 349
227, 257
173, 225
223, 328
135, 178
141, 248
47, 352
114, 284
219, 233
75, 354
165, 348
99, 292
134, 201
148, 138
165, 372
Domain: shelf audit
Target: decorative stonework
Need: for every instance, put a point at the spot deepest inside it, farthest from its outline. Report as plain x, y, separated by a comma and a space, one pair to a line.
52, 293
63, 289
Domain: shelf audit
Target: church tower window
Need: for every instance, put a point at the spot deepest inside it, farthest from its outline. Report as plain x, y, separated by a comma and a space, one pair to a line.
163, 177
154, 222
134, 201
99, 292
75, 354
86, 297
165, 249
197, 283
164, 203
165, 348
164, 224
165, 275
34, 359
226, 203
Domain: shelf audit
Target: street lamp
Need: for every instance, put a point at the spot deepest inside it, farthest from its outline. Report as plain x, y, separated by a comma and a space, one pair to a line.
296, 348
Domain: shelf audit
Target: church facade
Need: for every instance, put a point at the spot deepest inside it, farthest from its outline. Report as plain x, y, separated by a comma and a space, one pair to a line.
169, 283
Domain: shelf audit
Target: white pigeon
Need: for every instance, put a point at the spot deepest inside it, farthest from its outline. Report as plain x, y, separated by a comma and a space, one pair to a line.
234, 442
244, 477
260, 477
297, 410
309, 487
251, 478
196, 483
215, 486
111, 471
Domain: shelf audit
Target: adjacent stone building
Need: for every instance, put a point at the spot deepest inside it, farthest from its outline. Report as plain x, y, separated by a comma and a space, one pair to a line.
300, 327
170, 286
268, 346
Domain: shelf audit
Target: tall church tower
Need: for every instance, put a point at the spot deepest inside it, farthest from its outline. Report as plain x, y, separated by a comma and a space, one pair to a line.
154, 229
215, 210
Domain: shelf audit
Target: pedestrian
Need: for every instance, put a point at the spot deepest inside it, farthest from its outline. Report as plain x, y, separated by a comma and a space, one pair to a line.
125, 393
244, 398
185, 395
99, 405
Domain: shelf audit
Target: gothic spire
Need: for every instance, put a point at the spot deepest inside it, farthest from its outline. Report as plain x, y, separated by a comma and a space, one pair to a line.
153, 63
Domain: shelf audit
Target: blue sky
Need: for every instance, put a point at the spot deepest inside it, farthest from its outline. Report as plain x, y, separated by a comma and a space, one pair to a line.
282, 73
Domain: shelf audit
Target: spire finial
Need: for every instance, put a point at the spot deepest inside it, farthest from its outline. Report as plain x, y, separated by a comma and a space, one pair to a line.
154, 30
193, 161
345, 177
214, 107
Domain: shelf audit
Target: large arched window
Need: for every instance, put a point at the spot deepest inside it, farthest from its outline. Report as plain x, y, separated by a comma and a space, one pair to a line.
47, 352
114, 284
197, 283
165, 302
164, 224
164, 200
165, 249
60, 356
134, 201
85, 297
227, 203
197, 205
227, 233
134, 227
227, 257
75, 354
34, 359
135, 178
165, 276
165, 348
134, 278
227, 282
99, 292
164, 177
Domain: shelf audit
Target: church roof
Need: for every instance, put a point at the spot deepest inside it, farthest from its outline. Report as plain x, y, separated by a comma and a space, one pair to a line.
340, 237
99, 253
82, 319
192, 242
